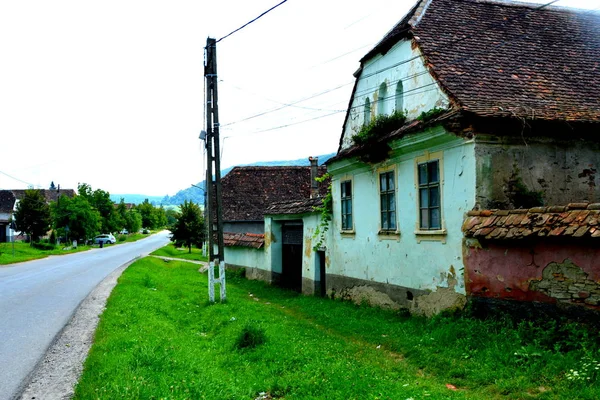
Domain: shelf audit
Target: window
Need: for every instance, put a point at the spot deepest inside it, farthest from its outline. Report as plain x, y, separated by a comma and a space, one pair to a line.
387, 196
399, 97
346, 196
429, 195
367, 112
381, 99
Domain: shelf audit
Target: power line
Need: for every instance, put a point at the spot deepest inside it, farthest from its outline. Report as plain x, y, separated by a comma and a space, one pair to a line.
248, 23
372, 90
17, 179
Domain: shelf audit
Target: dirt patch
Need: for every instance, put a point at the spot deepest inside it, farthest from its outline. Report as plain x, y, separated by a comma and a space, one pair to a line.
375, 298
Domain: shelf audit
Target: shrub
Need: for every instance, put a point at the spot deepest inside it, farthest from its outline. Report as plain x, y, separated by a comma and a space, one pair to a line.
250, 337
122, 238
43, 246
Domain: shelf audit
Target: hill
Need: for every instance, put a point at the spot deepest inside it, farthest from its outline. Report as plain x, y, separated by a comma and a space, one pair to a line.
196, 194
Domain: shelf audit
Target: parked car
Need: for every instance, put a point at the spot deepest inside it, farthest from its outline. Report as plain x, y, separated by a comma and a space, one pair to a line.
124, 232
105, 239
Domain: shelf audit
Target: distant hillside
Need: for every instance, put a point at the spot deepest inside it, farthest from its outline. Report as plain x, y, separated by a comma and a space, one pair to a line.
196, 194
136, 198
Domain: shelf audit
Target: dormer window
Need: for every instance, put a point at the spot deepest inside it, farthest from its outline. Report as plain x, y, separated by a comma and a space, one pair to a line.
382, 98
399, 106
367, 112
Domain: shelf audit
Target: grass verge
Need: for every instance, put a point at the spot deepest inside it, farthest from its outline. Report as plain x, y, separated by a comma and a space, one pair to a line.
177, 252
159, 338
24, 252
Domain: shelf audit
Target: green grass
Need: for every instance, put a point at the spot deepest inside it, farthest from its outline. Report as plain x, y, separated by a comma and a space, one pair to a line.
160, 338
177, 252
24, 252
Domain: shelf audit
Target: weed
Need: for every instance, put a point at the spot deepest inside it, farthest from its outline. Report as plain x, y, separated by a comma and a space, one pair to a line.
250, 337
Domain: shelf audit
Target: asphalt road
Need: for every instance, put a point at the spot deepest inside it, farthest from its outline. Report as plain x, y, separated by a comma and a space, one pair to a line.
37, 299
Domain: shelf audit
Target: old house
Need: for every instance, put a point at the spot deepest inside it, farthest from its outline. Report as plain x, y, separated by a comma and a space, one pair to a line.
267, 246
8, 205
465, 106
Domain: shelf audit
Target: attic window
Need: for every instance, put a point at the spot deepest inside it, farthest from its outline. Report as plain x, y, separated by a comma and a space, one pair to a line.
367, 112
381, 99
399, 97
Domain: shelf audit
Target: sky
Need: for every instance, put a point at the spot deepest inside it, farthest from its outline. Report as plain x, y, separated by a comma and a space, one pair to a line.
111, 93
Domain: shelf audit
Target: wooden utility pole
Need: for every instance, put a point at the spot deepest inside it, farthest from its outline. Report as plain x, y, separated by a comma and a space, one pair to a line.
213, 170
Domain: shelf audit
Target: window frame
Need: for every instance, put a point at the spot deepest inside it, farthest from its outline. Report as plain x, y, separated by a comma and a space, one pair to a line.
437, 233
388, 192
430, 216
345, 200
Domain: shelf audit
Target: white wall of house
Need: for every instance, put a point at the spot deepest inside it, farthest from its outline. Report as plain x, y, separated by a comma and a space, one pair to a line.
409, 257
402, 63
245, 257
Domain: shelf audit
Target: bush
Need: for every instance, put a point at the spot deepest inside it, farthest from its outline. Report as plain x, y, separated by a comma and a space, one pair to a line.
121, 238
43, 246
250, 337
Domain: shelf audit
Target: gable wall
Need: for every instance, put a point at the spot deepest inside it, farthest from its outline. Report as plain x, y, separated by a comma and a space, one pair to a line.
561, 171
421, 92
406, 261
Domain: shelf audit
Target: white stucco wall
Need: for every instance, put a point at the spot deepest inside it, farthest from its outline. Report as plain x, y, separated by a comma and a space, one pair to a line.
401, 62
245, 257
406, 259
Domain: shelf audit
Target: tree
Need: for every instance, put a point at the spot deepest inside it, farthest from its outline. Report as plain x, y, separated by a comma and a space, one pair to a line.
76, 218
52, 186
100, 200
133, 220
148, 213
188, 229
33, 215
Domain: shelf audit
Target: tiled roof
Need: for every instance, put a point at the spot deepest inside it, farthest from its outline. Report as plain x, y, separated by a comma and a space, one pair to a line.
577, 220
294, 206
509, 59
248, 191
7, 201
49, 195
255, 240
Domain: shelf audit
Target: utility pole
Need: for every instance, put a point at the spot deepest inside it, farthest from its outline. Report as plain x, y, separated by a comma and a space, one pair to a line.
213, 170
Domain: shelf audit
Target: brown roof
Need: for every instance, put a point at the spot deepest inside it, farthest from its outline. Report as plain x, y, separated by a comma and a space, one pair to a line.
49, 195
248, 191
577, 220
295, 206
7, 201
254, 240
509, 59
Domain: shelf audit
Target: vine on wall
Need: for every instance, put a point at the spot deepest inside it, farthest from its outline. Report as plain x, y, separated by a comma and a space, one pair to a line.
326, 211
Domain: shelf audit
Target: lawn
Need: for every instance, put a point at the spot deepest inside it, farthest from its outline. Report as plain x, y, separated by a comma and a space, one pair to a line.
24, 252
160, 338
178, 252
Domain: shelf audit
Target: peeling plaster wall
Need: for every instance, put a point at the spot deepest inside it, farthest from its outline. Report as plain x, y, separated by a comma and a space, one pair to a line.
564, 171
562, 273
421, 91
406, 260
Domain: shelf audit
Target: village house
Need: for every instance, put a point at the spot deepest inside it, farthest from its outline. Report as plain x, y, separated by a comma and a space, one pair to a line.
8, 205
267, 247
502, 108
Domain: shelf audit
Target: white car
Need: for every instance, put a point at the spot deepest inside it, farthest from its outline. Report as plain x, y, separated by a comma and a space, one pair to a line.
105, 239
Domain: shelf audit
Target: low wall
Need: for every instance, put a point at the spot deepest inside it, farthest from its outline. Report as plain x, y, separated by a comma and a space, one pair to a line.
564, 274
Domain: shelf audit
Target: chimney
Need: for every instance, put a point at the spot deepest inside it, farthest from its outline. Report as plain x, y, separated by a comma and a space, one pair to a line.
314, 173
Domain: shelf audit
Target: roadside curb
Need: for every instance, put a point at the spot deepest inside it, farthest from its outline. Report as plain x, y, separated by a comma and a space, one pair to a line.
57, 373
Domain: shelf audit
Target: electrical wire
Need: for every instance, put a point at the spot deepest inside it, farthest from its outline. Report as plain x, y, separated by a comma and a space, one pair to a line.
248, 23
373, 90
17, 179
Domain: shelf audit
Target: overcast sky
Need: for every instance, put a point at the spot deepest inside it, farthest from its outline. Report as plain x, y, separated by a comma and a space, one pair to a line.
111, 93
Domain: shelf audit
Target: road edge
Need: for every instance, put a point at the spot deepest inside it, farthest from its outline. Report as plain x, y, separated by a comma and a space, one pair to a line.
57, 373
